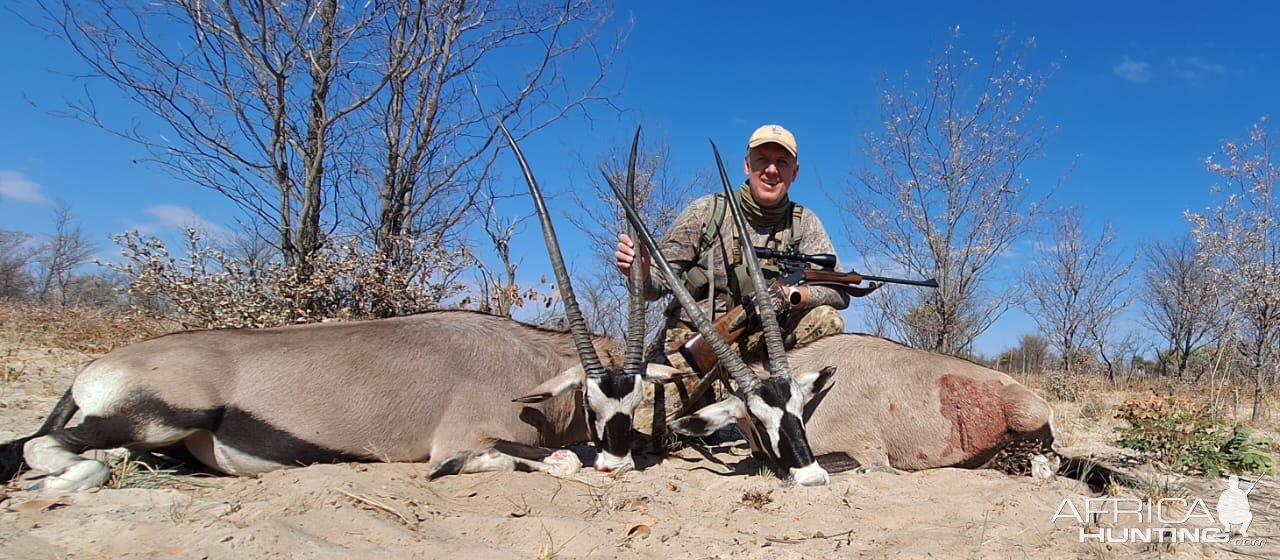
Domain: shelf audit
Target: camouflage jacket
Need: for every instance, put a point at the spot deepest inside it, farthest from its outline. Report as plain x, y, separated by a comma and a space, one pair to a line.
684, 248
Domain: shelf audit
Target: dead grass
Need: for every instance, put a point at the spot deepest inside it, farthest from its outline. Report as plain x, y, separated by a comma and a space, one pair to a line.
757, 498
88, 330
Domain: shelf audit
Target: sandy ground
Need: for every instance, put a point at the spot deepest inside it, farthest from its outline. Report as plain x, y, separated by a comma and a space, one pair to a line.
691, 505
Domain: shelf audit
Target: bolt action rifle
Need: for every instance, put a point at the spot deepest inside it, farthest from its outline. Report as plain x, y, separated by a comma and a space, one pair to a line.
795, 271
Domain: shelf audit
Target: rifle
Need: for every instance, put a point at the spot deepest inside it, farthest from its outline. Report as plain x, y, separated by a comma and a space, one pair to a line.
795, 271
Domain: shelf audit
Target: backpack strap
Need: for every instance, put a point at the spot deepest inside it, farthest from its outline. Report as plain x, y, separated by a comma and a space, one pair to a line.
792, 242
711, 229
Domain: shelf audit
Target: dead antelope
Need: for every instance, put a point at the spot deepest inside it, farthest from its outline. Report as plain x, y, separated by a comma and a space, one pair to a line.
434, 387
902, 408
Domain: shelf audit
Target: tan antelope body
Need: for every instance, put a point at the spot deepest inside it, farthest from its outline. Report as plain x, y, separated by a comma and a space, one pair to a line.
435, 387
909, 409
895, 406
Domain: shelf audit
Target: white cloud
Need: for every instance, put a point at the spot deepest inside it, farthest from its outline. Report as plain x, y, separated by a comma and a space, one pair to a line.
18, 187
180, 217
1197, 71
1135, 71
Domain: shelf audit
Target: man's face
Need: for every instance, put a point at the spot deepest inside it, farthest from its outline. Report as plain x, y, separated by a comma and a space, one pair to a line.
770, 170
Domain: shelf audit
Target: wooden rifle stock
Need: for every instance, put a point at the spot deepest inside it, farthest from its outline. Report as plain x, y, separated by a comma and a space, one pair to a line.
730, 327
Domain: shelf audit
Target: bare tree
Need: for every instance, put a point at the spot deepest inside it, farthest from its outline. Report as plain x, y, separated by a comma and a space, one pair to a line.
945, 194
15, 257
58, 258
1241, 242
1028, 357
1078, 286
660, 197
500, 289
320, 119
1179, 302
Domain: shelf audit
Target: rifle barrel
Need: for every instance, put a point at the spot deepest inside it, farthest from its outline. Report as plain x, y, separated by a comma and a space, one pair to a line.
930, 283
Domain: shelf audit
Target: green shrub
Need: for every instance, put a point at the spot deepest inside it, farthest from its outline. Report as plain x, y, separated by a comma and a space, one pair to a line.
1190, 437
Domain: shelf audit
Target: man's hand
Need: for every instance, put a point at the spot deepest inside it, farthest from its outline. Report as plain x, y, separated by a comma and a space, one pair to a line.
625, 255
862, 291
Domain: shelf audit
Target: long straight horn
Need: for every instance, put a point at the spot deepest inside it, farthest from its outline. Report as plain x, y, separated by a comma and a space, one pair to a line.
577, 324
633, 361
745, 379
777, 363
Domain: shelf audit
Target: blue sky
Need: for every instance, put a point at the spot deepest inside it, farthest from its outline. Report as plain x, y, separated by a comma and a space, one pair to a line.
1145, 91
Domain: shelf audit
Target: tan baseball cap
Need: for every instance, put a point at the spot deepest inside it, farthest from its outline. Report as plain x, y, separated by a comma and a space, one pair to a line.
775, 134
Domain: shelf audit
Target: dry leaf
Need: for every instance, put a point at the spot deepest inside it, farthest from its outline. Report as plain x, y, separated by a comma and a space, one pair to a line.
36, 505
642, 529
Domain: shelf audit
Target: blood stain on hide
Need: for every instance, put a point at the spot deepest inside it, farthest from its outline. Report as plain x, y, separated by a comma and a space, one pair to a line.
976, 414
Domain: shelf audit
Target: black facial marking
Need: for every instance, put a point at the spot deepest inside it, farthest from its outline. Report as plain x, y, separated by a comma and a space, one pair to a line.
616, 439
616, 386
776, 392
591, 424
763, 440
617, 435
794, 446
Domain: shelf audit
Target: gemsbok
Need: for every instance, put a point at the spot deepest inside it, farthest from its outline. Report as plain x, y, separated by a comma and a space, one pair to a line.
902, 408
435, 387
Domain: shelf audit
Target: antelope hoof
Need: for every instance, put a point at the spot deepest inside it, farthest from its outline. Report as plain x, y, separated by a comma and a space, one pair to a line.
812, 475
85, 475
563, 463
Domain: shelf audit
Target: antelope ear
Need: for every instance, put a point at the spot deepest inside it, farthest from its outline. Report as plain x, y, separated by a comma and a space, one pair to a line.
661, 373
710, 418
561, 384
813, 383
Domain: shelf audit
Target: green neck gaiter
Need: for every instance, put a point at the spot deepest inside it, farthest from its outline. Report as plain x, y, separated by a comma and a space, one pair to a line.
762, 217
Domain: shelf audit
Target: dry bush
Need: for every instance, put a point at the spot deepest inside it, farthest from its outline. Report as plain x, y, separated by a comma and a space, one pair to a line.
1095, 410
1064, 385
211, 287
1190, 435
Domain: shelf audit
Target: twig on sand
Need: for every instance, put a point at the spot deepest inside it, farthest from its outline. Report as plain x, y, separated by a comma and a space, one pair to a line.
375, 504
846, 537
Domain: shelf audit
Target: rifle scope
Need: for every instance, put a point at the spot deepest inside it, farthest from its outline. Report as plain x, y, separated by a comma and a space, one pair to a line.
824, 260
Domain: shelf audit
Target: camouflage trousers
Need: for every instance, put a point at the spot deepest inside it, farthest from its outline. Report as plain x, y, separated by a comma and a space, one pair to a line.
801, 327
